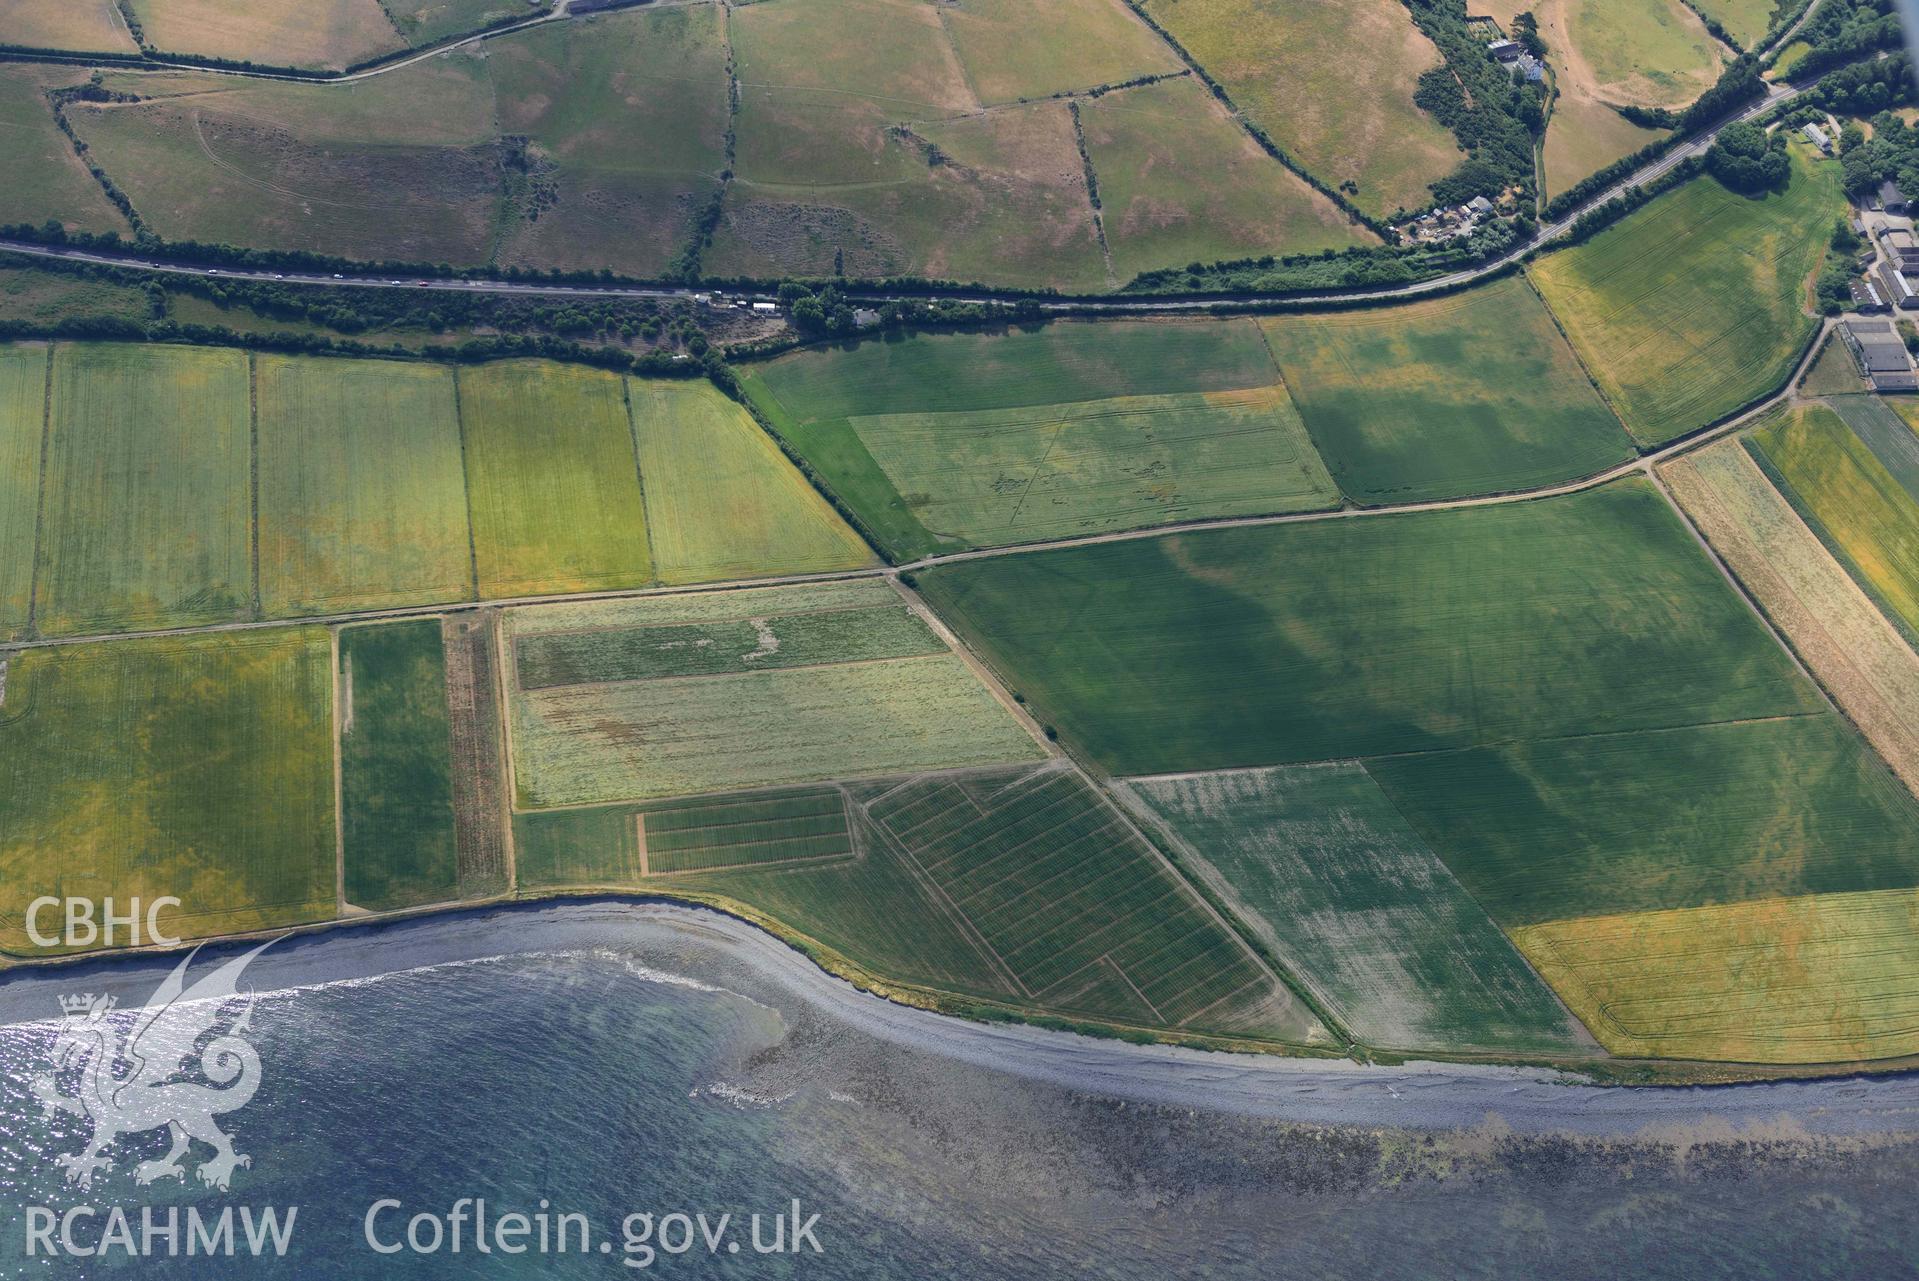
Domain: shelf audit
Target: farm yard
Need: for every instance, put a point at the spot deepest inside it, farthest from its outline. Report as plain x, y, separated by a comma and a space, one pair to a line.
1469, 394
697, 709
1690, 308
364, 499
196, 767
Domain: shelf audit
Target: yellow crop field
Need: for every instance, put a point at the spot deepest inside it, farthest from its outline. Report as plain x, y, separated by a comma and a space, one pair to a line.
198, 767
362, 501
1841, 635
23, 381
92, 26
1820, 978
721, 499
146, 498
287, 33
555, 488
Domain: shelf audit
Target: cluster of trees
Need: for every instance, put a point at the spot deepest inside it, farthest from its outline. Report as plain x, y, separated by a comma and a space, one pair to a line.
1892, 152
1495, 117
1834, 287
1748, 159
1865, 88
1842, 31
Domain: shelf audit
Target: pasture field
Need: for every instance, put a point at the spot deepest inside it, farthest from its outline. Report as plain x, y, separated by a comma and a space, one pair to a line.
1180, 181
1833, 372
91, 26
1605, 824
1886, 434
362, 501
847, 714
1315, 860
1695, 305
1653, 53
1857, 507
23, 399
625, 116
826, 402
1833, 625
146, 514
1287, 69
555, 489
1383, 634
549, 659
405, 165
44, 178
1054, 471
288, 33
861, 147
1013, 50
197, 767
722, 502
1474, 393
49, 297
1746, 20
1819, 978
396, 769
1584, 136
422, 22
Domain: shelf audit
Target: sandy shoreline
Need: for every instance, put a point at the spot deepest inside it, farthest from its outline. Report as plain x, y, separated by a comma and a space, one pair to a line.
703, 944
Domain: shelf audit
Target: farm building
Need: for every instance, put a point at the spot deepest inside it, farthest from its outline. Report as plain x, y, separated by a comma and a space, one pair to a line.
1504, 50
1818, 138
1891, 199
1867, 299
1898, 289
1881, 356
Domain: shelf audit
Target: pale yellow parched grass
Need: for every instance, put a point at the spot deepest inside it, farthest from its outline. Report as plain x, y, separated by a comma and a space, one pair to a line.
1822, 978
1856, 654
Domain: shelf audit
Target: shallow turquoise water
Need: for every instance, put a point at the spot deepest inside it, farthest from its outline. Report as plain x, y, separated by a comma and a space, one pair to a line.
664, 1077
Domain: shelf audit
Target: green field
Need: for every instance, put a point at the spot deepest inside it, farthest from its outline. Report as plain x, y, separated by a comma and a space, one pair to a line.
1857, 507
1695, 305
549, 659
1606, 824
1181, 181
396, 788
1746, 20
1886, 434
146, 513
1655, 53
1023, 886
845, 715
199, 768
722, 502
1833, 372
555, 487
44, 178
1289, 69
625, 116
23, 398
1018, 49
1318, 864
362, 503
957, 440
1383, 634
1471, 394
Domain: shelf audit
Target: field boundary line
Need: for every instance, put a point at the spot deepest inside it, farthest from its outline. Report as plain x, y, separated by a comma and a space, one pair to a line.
981, 672
639, 477
1579, 358
253, 474
1107, 959
510, 776
339, 773
466, 490
40, 496
1751, 602
639, 829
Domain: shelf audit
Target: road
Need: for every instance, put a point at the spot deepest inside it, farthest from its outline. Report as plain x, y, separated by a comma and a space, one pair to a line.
133, 260
1643, 464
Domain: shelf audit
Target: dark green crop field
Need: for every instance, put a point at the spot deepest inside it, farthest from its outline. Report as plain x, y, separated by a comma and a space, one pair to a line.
396, 766
1332, 639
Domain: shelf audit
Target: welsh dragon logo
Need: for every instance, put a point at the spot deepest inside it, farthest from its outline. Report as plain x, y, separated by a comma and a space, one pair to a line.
129, 1084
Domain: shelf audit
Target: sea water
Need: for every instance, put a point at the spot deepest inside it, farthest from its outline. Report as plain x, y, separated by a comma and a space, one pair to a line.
548, 1065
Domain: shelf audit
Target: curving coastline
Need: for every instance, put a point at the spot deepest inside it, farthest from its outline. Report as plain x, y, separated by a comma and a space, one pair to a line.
691, 944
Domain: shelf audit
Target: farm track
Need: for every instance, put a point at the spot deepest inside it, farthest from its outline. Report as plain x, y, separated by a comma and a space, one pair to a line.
1642, 465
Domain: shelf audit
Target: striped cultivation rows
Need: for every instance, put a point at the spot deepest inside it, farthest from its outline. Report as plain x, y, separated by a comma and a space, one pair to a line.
776, 827
1071, 901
